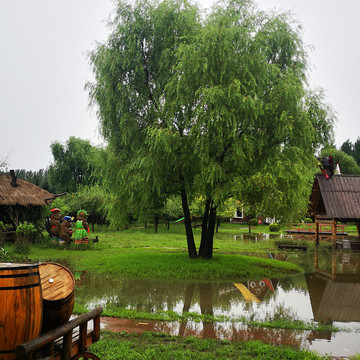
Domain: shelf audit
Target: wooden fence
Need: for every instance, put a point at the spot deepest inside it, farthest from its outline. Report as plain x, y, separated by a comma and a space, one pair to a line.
64, 342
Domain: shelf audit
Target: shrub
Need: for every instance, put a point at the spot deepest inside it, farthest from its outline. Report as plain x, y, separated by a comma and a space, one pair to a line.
25, 232
274, 227
254, 222
308, 220
4, 228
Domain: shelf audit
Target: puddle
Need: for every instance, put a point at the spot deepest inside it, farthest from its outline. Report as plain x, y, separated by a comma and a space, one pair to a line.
223, 331
330, 293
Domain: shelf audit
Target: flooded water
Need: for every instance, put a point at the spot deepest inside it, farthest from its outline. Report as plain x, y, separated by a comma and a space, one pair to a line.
329, 293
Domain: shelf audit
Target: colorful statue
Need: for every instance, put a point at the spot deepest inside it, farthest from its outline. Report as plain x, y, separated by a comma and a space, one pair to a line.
82, 228
55, 222
65, 230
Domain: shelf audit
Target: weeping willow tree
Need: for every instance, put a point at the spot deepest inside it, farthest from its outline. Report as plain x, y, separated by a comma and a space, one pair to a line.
211, 105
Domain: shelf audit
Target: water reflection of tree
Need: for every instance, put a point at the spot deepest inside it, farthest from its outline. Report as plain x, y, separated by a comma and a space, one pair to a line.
238, 331
151, 295
206, 307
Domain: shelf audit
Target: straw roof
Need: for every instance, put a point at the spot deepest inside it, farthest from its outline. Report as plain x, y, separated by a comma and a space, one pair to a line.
24, 194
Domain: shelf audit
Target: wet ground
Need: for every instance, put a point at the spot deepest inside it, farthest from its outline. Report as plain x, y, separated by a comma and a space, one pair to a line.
329, 293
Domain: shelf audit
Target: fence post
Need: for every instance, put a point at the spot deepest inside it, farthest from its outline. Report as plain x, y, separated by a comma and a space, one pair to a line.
316, 233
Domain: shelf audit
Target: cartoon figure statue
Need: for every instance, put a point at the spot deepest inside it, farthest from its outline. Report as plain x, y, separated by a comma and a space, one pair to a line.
326, 165
82, 228
65, 230
55, 222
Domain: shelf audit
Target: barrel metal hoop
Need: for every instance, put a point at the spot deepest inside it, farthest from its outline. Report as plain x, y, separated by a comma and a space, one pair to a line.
20, 287
7, 351
20, 267
19, 275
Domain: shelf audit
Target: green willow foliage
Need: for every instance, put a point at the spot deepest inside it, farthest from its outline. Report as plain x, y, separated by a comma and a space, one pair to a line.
208, 106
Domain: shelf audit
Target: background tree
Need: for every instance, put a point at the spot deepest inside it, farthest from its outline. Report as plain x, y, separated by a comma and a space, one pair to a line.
352, 149
347, 147
3, 164
172, 209
73, 164
91, 198
347, 163
39, 178
202, 106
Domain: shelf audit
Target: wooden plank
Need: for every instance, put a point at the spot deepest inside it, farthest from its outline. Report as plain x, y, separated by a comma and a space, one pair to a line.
76, 348
82, 339
67, 346
292, 246
97, 328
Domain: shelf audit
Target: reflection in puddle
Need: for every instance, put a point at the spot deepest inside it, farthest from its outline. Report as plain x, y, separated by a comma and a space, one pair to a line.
208, 330
257, 237
329, 294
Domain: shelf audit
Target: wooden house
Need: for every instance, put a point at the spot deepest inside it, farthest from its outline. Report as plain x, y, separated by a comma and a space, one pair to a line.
336, 198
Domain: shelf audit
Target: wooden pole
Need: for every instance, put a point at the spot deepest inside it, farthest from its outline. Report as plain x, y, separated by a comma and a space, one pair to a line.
333, 266
316, 233
358, 228
334, 232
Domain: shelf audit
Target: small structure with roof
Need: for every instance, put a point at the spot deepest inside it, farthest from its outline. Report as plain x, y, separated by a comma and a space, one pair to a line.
336, 198
18, 198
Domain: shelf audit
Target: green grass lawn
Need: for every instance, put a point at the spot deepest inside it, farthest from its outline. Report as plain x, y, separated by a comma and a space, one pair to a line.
159, 346
140, 253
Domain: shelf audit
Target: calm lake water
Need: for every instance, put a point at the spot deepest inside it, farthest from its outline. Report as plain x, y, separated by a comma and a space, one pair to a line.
329, 293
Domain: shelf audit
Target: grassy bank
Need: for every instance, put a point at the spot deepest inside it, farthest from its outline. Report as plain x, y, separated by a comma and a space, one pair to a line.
159, 346
169, 315
140, 253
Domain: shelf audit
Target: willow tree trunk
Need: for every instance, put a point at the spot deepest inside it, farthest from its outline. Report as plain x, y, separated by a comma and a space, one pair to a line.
189, 232
204, 227
208, 230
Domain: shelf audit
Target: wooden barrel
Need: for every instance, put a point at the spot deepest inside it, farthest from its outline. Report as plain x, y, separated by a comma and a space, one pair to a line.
20, 306
58, 284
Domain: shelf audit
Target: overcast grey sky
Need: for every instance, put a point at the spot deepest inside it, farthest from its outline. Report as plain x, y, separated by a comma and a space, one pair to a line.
43, 69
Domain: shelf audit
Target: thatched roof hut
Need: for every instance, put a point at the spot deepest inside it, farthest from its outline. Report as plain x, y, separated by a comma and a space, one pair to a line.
21, 200
20, 192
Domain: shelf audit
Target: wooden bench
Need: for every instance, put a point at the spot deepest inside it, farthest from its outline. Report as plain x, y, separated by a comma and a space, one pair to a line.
64, 342
292, 246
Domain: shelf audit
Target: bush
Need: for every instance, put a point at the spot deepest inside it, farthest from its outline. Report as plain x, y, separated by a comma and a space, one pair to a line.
254, 222
308, 220
25, 232
274, 227
4, 228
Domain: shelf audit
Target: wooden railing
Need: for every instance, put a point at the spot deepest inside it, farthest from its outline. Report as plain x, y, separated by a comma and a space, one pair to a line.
63, 342
311, 228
